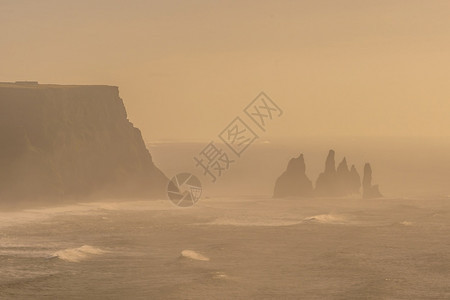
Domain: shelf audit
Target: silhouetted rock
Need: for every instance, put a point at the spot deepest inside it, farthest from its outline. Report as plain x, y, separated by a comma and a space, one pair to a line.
294, 182
61, 142
326, 184
355, 180
343, 179
332, 182
369, 190
339, 182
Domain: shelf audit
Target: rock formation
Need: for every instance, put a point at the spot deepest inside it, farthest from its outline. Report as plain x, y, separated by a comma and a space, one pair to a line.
339, 182
326, 184
60, 142
355, 180
331, 182
294, 182
369, 190
343, 180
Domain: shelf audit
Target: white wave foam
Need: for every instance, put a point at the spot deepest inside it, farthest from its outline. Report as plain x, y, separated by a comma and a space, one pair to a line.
137, 205
77, 254
193, 255
406, 223
8, 219
219, 275
326, 219
254, 222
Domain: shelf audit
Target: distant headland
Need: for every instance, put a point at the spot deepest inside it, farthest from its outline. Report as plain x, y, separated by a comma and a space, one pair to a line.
69, 141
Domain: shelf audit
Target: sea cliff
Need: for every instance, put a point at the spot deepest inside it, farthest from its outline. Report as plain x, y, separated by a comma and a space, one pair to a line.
63, 142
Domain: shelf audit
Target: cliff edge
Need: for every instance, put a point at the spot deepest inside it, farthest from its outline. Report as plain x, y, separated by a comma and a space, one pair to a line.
62, 142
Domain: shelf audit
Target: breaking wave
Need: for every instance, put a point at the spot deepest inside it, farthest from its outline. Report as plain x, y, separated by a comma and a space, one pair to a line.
406, 223
326, 219
255, 222
77, 254
8, 219
277, 222
193, 255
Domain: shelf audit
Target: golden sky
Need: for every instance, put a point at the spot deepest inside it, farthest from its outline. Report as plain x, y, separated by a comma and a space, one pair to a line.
185, 69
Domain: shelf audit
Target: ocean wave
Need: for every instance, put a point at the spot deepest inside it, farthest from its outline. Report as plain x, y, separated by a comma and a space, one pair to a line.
219, 275
77, 254
326, 219
254, 222
406, 223
135, 205
8, 219
193, 255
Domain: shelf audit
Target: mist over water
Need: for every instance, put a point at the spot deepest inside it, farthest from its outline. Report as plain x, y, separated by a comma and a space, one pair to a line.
402, 166
105, 104
246, 245
225, 248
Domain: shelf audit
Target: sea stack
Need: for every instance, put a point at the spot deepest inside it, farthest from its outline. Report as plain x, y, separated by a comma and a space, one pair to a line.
355, 180
343, 180
326, 182
63, 141
369, 190
293, 181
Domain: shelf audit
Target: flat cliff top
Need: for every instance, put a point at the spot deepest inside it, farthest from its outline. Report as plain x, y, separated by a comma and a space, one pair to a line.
71, 142
35, 85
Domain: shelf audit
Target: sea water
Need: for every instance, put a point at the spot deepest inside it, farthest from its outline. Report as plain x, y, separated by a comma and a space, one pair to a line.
229, 248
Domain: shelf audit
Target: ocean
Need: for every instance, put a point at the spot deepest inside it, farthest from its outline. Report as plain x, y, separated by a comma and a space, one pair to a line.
247, 247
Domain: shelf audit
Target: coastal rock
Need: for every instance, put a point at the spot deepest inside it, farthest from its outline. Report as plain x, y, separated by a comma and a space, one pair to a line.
343, 179
332, 182
61, 142
294, 182
326, 184
369, 190
355, 180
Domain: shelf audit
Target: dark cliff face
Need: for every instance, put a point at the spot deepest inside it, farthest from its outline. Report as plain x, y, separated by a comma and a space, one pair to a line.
60, 142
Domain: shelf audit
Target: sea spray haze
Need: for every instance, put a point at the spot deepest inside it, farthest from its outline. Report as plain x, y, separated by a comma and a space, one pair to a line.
406, 167
225, 248
86, 211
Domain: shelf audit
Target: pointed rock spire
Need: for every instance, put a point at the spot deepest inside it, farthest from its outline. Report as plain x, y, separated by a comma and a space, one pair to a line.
326, 182
296, 165
332, 182
343, 167
293, 182
330, 165
369, 190
343, 180
355, 180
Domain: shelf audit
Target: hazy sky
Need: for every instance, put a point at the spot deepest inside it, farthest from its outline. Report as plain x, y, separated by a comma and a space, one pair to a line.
187, 68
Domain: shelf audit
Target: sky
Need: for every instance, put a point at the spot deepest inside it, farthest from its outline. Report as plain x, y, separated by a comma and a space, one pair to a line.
185, 69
